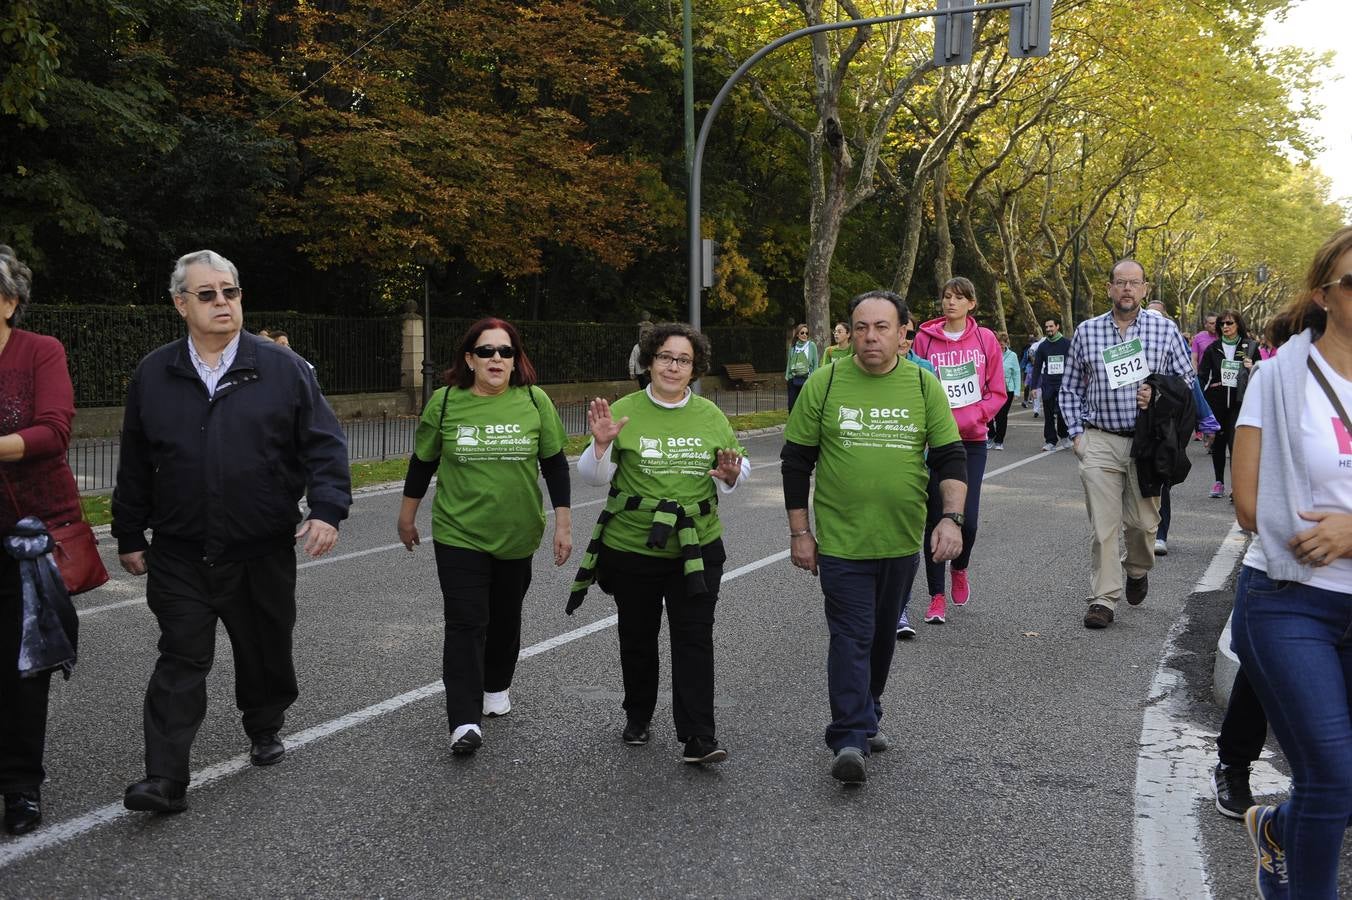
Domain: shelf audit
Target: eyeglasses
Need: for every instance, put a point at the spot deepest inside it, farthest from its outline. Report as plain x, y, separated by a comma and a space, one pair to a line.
1124, 282
230, 293
1344, 282
1229, 322
680, 362
506, 351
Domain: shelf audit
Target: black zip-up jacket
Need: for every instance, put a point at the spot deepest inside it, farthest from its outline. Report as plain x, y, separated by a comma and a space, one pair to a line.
1222, 398
219, 478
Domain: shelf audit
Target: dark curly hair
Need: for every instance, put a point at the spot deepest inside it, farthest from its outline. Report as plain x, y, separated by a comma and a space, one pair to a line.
652, 341
16, 280
462, 376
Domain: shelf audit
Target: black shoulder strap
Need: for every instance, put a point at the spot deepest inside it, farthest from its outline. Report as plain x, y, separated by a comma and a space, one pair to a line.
1329, 392
445, 395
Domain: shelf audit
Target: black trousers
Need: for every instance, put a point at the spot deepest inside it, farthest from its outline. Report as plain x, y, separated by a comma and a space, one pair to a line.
1053, 425
482, 597
1001, 424
1226, 414
255, 600
23, 701
639, 585
1244, 728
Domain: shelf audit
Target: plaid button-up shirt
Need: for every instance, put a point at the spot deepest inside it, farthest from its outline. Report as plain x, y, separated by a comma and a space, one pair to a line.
1086, 396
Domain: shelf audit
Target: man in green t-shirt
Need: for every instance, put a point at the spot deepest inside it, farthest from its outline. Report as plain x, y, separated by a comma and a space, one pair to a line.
864, 426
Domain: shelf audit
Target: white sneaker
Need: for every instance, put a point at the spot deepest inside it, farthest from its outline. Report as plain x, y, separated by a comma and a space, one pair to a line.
999, 446
497, 703
1048, 446
466, 739
1063, 444
1161, 548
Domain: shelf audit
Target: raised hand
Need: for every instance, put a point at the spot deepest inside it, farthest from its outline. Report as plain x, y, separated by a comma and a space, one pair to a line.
603, 428
728, 467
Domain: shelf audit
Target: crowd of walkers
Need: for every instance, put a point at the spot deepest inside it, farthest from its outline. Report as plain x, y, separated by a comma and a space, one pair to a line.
925, 403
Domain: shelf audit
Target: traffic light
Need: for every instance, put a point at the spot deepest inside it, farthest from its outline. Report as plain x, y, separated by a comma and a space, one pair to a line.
952, 34
1030, 29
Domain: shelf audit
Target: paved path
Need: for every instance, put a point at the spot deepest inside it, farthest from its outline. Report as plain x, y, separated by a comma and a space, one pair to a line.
1014, 769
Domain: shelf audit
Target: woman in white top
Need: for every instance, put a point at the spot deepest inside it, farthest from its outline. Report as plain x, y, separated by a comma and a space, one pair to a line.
1292, 471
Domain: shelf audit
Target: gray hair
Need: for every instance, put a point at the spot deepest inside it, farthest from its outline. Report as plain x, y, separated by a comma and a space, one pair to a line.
16, 280
178, 282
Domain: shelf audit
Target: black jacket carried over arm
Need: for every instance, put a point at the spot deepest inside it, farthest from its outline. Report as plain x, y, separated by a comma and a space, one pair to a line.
219, 477
1163, 430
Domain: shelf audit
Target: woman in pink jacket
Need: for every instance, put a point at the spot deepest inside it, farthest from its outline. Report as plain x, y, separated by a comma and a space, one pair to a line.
969, 362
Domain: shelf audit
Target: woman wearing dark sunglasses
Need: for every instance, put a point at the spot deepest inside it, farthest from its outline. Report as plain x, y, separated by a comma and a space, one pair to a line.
1224, 376
488, 435
667, 454
1293, 600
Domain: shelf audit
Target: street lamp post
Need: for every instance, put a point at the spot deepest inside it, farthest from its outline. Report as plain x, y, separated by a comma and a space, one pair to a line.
693, 210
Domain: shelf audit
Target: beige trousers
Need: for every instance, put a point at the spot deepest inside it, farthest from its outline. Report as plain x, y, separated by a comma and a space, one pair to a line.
1112, 494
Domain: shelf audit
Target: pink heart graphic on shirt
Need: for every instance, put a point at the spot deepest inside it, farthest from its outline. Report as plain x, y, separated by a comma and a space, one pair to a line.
1344, 439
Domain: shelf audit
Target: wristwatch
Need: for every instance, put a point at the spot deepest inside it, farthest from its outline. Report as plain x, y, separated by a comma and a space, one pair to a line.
958, 518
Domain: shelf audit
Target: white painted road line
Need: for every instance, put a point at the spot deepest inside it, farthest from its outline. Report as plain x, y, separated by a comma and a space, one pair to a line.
1173, 769
61, 832
53, 835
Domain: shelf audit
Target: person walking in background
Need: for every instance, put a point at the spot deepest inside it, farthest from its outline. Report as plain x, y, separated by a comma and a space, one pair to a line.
637, 372
1224, 375
1049, 366
802, 362
1110, 357
1293, 600
668, 455
37, 405
970, 364
841, 348
223, 432
488, 436
1012, 385
868, 508
1203, 339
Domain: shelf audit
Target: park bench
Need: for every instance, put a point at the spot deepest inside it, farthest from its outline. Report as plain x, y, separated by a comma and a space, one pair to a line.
742, 375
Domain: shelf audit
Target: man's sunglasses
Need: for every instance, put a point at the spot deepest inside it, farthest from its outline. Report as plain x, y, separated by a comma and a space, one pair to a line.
230, 293
506, 351
1345, 282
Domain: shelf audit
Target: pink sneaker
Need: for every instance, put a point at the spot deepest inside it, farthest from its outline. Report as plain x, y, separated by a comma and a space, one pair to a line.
935, 615
1218, 489
962, 591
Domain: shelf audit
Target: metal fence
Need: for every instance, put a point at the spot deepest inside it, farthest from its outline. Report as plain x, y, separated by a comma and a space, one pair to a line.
104, 344
94, 461
352, 356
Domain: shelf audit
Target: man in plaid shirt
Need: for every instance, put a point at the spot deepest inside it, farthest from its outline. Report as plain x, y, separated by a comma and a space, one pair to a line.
1104, 387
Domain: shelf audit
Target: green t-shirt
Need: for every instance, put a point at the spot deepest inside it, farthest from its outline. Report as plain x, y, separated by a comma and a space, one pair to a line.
488, 490
666, 454
872, 432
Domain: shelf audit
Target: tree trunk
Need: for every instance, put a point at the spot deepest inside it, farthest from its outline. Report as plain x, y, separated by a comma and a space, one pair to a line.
1012, 275
943, 238
987, 279
912, 219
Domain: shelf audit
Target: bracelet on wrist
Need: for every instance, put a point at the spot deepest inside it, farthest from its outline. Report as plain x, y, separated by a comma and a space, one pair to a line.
794, 534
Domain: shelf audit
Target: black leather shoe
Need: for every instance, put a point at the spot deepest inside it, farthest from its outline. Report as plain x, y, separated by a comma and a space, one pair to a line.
161, 795
267, 749
1137, 589
636, 734
23, 812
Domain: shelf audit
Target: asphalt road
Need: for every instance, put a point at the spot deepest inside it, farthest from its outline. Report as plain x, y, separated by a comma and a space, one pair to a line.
1016, 734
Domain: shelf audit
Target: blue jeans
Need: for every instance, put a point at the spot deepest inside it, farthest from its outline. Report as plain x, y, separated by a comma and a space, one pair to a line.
1295, 643
863, 599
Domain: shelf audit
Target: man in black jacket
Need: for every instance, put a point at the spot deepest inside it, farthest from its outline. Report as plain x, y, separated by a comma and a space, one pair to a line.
223, 432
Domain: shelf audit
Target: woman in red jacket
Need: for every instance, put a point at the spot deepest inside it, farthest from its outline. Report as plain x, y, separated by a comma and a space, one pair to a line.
969, 362
37, 405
